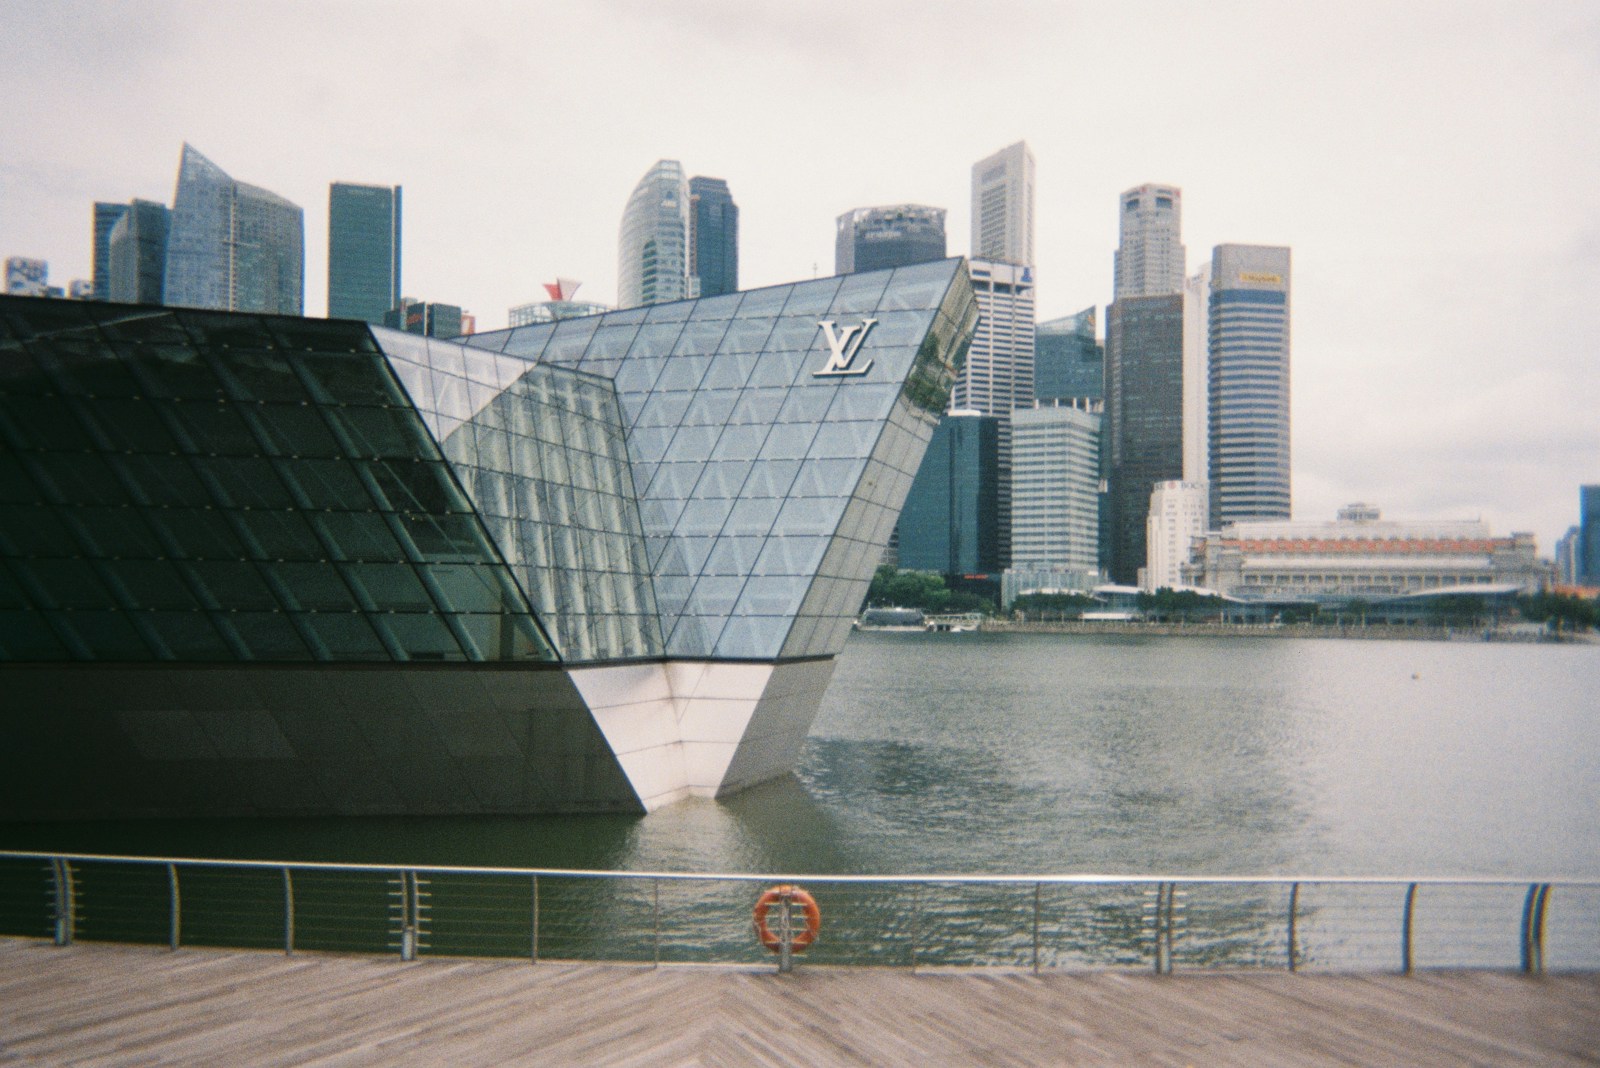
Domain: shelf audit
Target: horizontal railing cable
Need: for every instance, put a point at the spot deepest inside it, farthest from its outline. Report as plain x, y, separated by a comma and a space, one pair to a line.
1082, 921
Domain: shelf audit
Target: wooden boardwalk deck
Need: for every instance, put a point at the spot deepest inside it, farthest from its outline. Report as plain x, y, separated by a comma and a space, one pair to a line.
123, 1005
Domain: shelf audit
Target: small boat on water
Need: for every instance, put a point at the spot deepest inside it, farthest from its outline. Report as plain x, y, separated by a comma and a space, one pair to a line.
901, 619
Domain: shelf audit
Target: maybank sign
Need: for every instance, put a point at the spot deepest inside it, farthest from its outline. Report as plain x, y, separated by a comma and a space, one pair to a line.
1261, 277
843, 347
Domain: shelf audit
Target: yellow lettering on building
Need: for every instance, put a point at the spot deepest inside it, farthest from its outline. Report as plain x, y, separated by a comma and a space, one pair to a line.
1257, 276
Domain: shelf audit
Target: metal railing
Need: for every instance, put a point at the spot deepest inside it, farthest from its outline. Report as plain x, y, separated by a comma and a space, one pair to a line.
1079, 922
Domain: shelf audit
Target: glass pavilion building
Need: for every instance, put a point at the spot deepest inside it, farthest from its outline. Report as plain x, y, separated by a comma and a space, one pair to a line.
256, 564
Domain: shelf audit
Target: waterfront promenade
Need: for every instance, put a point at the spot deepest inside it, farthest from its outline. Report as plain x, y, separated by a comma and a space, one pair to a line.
112, 1005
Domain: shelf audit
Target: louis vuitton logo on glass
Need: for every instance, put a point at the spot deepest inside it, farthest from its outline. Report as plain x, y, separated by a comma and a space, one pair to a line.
843, 346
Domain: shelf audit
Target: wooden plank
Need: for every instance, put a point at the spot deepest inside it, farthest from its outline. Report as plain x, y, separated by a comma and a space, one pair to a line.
112, 1005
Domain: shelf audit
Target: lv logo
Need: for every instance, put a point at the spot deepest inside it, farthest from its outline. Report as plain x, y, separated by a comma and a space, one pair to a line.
843, 346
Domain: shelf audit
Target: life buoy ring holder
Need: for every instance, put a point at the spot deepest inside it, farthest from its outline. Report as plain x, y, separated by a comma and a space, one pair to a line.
793, 895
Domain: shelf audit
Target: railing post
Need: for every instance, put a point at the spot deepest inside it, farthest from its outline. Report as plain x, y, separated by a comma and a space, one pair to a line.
1036, 892
288, 914
66, 901
1405, 929
1294, 902
916, 922
1533, 911
533, 936
655, 920
408, 928
1166, 894
177, 914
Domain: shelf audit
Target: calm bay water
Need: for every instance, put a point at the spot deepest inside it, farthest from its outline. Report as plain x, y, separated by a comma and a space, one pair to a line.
1007, 753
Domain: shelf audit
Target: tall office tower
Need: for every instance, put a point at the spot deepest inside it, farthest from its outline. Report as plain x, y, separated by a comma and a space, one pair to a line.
1589, 535
426, 318
713, 236
897, 235
1196, 357
1069, 362
363, 251
653, 247
1055, 487
998, 376
1002, 206
136, 250
1248, 382
1150, 258
105, 217
950, 521
1567, 556
233, 246
1144, 414
27, 277
1178, 512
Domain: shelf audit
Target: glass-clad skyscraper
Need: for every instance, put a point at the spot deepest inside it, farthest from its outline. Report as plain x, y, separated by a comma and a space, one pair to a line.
1144, 417
870, 239
951, 519
105, 217
363, 251
653, 245
263, 564
137, 250
713, 236
232, 246
1069, 362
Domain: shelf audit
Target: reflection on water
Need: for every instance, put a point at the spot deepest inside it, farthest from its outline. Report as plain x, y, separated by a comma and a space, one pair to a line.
1024, 754
1051, 754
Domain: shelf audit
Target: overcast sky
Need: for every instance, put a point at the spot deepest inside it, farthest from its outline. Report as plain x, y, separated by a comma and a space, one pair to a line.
1434, 166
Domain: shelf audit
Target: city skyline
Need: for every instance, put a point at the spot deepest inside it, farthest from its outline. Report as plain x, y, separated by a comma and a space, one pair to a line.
1433, 185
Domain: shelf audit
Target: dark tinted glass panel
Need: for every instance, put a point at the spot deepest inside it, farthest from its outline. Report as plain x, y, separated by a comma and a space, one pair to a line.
233, 585
268, 636
422, 637
27, 636
108, 635
187, 635
358, 535
346, 636
389, 587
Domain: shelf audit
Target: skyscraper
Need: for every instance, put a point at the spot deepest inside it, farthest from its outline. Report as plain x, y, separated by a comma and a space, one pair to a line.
998, 376
1069, 362
1002, 206
1589, 535
950, 520
1144, 411
1249, 383
653, 246
870, 239
363, 251
137, 253
1196, 354
1055, 487
425, 317
233, 246
1150, 258
713, 236
105, 217
1566, 553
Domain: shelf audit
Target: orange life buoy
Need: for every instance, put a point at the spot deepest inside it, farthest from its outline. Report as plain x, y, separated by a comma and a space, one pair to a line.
793, 894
